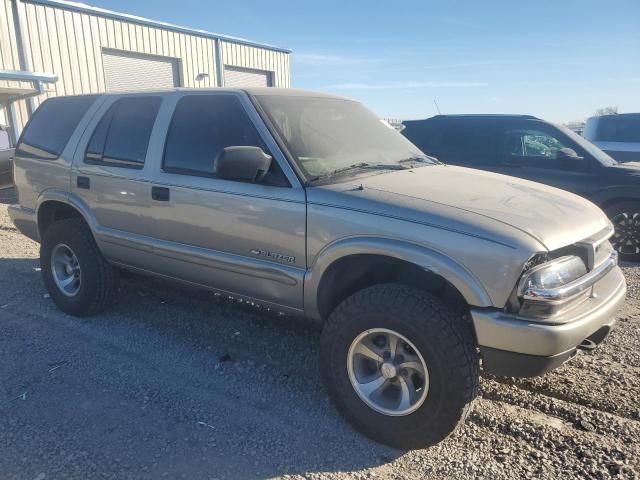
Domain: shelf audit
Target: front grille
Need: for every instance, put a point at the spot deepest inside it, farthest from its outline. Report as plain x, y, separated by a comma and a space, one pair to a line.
602, 253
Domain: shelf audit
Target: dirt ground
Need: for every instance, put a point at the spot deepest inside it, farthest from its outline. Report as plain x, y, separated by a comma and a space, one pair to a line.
175, 383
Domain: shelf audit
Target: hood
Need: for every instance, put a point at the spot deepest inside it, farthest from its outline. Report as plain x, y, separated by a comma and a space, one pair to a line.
627, 168
483, 201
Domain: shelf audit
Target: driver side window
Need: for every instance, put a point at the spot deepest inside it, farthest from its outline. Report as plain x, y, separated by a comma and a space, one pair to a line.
539, 144
536, 149
531, 143
201, 127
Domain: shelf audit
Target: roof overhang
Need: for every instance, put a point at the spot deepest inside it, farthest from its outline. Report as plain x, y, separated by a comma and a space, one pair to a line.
84, 8
16, 84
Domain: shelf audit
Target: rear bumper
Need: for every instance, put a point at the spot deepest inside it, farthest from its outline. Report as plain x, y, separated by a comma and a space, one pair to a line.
518, 346
25, 220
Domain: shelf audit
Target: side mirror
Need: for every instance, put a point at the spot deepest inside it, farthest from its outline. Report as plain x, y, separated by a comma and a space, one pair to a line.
249, 164
567, 154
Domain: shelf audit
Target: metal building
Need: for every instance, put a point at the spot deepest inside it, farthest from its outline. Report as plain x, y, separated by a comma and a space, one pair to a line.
56, 47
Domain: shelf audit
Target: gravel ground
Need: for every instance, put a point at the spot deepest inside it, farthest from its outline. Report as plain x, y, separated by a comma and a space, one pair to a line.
175, 383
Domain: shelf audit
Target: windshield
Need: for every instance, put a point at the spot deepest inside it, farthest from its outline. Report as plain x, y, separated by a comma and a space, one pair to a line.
594, 151
329, 135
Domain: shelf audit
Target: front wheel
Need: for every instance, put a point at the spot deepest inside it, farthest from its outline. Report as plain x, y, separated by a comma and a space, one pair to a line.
399, 365
625, 217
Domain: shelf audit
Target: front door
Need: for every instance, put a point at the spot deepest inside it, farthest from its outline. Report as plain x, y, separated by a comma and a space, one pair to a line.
247, 239
530, 151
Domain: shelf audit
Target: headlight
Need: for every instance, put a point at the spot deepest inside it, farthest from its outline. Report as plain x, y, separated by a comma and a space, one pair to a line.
549, 275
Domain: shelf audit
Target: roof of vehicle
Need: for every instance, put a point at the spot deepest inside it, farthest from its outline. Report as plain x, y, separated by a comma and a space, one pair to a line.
634, 116
270, 91
479, 116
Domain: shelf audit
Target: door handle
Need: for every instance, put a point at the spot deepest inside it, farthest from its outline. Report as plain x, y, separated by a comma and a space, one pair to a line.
160, 194
509, 164
83, 182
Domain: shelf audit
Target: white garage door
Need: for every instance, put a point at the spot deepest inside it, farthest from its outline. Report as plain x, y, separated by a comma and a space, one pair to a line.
245, 77
129, 71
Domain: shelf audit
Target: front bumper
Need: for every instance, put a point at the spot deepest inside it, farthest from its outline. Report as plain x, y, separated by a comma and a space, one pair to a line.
512, 345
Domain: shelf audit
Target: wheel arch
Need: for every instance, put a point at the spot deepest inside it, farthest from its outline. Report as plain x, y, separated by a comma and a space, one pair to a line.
610, 196
351, 264
54, 205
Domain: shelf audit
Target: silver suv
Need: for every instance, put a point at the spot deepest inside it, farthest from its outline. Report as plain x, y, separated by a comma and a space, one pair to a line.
309, 204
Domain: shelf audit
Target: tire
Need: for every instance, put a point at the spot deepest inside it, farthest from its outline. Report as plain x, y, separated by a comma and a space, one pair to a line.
626, 220
98, 280
445, 343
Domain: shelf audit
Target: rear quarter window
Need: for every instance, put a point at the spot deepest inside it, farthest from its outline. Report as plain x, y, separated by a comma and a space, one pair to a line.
52, 125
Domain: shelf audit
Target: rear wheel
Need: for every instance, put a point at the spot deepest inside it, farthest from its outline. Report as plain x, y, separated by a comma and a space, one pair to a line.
625, 217
77, 276
399, 365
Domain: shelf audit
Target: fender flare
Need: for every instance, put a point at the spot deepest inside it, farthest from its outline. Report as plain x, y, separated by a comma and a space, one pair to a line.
63, 196
429, 259
606, 196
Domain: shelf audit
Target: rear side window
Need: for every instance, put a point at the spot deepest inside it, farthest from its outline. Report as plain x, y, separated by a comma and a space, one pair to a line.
52, 125
473, 142
424, 134
121, 138
202, 126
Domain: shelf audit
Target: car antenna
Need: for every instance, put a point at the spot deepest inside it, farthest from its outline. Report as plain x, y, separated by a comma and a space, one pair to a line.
437, 107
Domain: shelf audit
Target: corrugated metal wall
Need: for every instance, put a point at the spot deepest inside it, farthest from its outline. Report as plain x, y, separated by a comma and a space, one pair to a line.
259, 59
125, 71
69, 43
9, 59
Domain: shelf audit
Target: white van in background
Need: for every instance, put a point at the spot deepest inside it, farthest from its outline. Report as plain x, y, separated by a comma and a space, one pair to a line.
618, 135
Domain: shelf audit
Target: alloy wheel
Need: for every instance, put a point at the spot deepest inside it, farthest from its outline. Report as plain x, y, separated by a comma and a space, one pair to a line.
65, 269
387, 372
626, 239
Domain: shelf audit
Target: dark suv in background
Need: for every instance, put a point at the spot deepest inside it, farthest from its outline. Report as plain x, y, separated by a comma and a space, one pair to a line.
527, 147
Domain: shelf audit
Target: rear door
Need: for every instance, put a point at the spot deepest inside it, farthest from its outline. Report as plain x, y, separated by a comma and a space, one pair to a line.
243, 238
528, 149
110, 175
468, 142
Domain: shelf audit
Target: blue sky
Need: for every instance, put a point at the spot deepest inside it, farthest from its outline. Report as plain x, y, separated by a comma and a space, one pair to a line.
560, 60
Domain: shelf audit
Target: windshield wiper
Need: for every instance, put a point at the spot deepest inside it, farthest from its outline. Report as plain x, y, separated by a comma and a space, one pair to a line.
357, 166
421, 159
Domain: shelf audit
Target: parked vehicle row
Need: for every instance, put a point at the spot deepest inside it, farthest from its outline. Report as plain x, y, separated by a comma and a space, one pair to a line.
309, 204
527, 147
